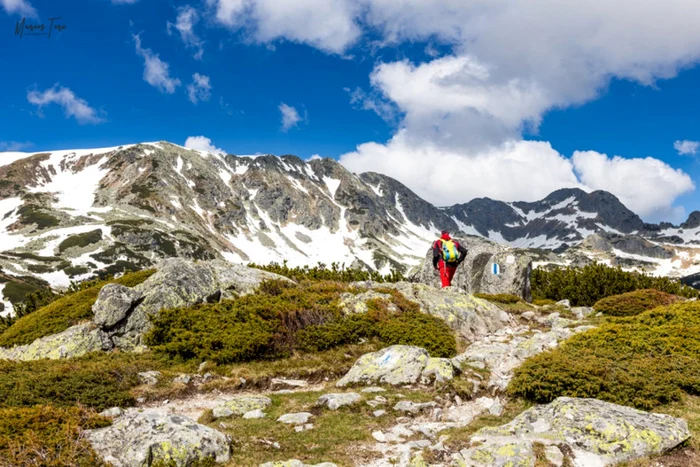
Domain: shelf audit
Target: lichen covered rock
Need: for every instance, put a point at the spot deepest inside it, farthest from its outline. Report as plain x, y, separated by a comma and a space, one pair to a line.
73, 342
148, 438
241, 405
597, 433
113, 304
395, 365
439, 370
471, 317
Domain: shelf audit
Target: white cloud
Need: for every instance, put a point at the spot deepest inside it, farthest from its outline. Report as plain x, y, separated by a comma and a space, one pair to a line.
155, 71
202, 143
326, 24
20, 7
200, 89
187, 18
686, 147
124, 2
506, 64
315, 157
15, 145
290, 116
647, 186
73, 106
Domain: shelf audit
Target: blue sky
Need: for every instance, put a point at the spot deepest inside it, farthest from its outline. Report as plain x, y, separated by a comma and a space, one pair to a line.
513, 109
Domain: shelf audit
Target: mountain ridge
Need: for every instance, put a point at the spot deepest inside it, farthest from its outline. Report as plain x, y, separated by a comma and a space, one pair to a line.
65, 215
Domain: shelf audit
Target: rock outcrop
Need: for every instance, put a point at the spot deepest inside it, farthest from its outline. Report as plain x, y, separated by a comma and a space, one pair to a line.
121, 314
592, 432
241, 405
177, 283
396, 365
476, 273
148, 438
471, 317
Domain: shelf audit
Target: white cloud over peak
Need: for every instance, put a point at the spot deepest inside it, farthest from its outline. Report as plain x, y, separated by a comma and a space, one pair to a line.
15, 145
647, 186
202, 143
20, 7
290, 116
508, 63
156, 72
686, 148
199, 89
72, 105
187, 18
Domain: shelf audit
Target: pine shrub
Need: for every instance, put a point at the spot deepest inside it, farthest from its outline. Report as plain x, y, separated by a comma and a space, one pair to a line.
585, 286
504, 298
48, 436
642, 361
634, 303
334, 272
280, 319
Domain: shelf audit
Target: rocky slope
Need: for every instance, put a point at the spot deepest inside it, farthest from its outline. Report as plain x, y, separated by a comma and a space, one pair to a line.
65, 215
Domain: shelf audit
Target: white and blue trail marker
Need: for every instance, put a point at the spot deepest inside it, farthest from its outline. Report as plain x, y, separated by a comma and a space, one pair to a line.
496, 269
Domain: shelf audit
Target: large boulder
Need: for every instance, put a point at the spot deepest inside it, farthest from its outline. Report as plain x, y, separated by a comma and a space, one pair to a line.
177, 283
152, 438
593, 432
396, 365
73, 342
475, 274
471, 317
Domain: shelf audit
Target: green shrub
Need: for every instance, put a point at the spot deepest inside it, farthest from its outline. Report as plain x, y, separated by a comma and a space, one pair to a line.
543, 302
505, 298
585, 286
99, 380
63, 312
48, 436
81, 240
279, 319
642, 361
17, 291
335, 272
634, 303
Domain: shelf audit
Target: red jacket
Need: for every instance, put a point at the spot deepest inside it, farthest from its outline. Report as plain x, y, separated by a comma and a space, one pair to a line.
437, 251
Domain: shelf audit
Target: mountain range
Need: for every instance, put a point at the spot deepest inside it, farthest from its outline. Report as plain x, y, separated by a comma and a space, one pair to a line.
65, 215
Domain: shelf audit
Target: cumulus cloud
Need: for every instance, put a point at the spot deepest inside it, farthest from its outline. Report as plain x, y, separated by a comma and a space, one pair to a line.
199, 89
647, 186
326, 24
498, 76
187, 18
290, 116
72, 105
155, 71
20, 7
202, 143
686, 148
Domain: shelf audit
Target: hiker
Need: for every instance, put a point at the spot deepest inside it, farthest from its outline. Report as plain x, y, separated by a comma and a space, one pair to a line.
447, 255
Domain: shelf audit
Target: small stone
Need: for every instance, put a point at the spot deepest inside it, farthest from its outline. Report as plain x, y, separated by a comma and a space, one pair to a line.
554, 456
183, 379
242, 380
203, 366
336, 401
496, 409
476, 364
257, 413
379, 413
413, 407
373, 389
300, 418
114, 412
140, 400
528, 315
379, 436
149, 378
565, 303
